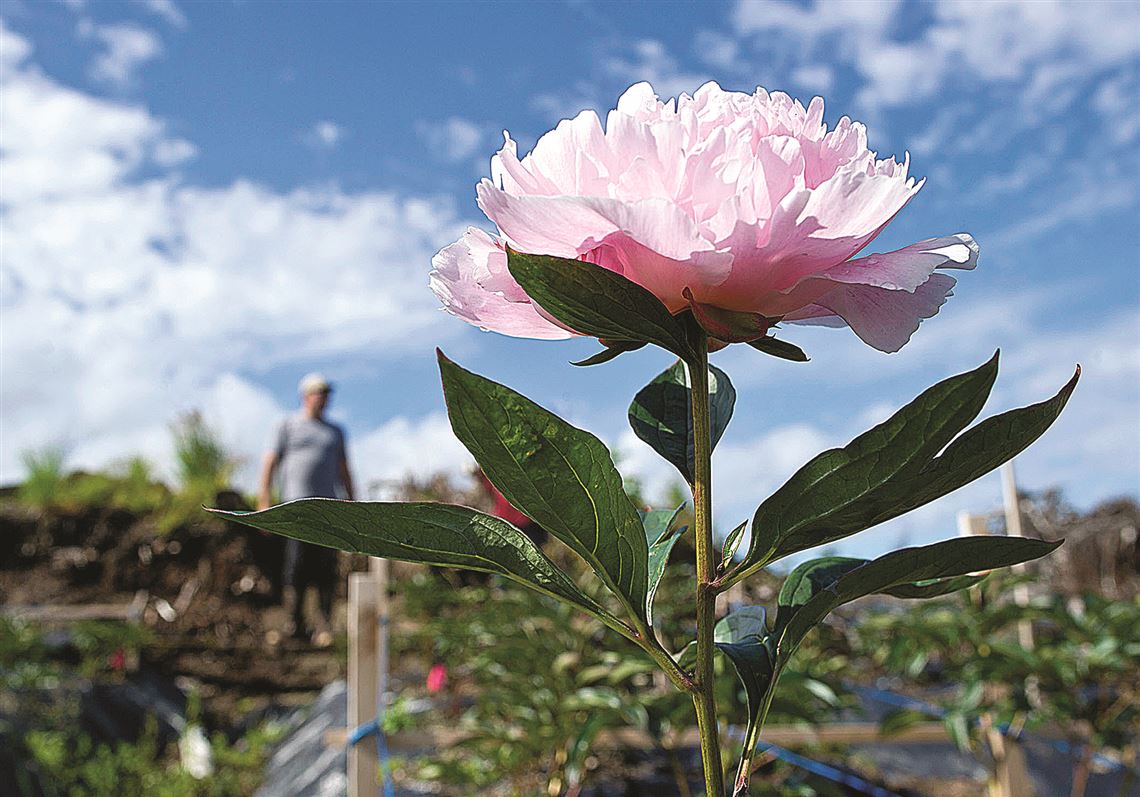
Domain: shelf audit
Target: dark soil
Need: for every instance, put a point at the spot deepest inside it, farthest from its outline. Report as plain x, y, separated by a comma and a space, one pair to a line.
209, 594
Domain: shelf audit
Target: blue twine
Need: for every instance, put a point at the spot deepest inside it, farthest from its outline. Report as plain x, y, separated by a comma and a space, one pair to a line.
826, 771
362, 732
818, 768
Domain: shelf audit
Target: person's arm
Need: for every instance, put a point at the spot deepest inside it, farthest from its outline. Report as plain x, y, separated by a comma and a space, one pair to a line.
346, 479
345, 473
268, 466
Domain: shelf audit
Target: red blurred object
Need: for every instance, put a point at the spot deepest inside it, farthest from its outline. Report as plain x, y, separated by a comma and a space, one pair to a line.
117, 660
437, 679
502, 508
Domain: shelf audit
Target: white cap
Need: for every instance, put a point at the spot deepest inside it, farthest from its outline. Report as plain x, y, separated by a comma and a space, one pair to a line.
314, 383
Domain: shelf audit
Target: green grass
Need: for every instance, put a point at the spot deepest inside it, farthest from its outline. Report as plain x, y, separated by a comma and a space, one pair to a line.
45, 477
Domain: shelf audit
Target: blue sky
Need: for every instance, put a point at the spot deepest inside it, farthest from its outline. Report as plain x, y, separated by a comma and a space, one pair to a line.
203, 201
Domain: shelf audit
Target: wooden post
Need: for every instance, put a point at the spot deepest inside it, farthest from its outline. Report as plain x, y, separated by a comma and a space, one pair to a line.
971, 525
1010, 777
1013, 529
363, 677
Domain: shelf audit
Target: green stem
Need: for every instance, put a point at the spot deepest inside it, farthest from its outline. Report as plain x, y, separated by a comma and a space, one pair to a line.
703, 698
644, 638
676, 675
751, 739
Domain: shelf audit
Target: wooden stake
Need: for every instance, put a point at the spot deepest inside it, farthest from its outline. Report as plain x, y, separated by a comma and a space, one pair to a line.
363, 681
971, 525
1013, 529
1010, 777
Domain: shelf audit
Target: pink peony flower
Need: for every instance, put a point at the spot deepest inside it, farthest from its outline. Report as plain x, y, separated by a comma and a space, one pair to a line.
747, 201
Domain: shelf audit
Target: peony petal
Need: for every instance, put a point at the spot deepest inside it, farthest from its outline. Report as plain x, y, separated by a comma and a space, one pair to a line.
907, 268
471, 278
885, 318
573, 226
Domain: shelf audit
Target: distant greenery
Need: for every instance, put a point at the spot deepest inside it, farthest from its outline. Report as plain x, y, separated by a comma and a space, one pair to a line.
72, 765
65, 762
26, 660
204, 465
45, 476
204, 468
130, 485
1082, 675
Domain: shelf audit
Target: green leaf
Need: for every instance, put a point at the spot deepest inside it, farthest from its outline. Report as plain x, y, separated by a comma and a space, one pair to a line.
661, 414
659, 522
827, 498
426, 533
958, 729
975, 453
596, 301
743, 637
899, 720
741, 625
779, 348
807, 580
611, 351
731, 543
910, 572
661, 537
558, 475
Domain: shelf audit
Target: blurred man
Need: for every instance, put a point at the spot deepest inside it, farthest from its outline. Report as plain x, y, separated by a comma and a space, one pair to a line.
308, 457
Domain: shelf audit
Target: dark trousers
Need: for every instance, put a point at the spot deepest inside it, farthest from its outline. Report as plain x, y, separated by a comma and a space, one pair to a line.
310, 565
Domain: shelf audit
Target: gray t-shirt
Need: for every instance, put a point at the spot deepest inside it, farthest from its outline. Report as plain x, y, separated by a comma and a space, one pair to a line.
310, 452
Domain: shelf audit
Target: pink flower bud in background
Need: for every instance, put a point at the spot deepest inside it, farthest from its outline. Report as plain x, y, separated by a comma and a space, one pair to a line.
747, 201
437, 679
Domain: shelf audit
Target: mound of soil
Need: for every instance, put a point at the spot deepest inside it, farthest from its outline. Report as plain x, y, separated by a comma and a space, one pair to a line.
208, 591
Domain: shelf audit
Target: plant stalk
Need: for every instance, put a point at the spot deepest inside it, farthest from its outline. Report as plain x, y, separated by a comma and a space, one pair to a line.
703, 699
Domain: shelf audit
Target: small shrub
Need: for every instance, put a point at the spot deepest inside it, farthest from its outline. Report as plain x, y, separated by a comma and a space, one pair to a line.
42, 486
204, 465
136, 488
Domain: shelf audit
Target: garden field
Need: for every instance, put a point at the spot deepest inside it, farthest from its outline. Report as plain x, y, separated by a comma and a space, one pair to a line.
141, 646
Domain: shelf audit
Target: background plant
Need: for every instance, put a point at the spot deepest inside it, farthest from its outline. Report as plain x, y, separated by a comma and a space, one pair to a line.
1079, 679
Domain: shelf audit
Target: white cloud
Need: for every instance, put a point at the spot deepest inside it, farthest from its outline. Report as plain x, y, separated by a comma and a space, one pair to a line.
820, 18
1085, 201
815, 77
167, 10
408, 447
453, 139
61, 142
1043, 44
717, 50
747, 471
324, 135
126, 48
125, 301
173, 151
1116, 100
14, 49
